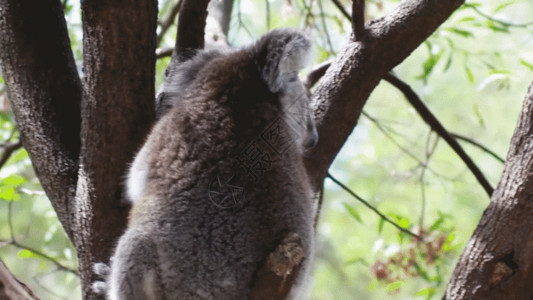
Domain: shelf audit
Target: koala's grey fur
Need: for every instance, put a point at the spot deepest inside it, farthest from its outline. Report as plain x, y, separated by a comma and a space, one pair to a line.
181, 241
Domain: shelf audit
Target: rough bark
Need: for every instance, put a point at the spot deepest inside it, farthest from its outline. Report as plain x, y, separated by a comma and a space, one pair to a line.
45, 93
497, 262
117, 110
358, 68
11, 288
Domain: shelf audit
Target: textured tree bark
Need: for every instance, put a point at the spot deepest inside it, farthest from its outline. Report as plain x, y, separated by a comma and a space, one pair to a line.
497, 262
117, 110
45, 93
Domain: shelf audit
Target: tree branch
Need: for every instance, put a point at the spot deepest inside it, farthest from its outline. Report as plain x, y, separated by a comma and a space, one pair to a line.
12, 288
191, 28
372, 208
358, 19
478, 145
432, 121
117, 110
165, 25
496, 263
341, 9
45, 93
358, 68
9, 148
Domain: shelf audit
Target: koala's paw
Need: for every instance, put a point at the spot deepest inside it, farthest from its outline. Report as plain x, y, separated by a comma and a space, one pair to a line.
99, 287
102, 272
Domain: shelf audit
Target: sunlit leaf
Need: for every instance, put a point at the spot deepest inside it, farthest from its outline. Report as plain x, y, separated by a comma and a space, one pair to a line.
448, 63
13, 180
497, 27
372, 285
503, 5
436, 225
393, 286
469, 74
427, 291
358, 260
477, 113
527, 64
380, 225
7, 193
461, 32
25, 253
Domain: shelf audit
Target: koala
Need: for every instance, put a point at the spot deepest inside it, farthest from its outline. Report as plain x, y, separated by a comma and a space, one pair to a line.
219, 188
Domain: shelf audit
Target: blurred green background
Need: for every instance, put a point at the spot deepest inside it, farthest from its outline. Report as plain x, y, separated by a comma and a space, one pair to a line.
472, 74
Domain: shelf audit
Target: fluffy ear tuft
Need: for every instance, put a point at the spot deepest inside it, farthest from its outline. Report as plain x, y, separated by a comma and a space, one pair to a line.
281, 54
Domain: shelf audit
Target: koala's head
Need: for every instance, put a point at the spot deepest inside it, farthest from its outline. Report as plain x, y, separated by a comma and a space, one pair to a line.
278, 57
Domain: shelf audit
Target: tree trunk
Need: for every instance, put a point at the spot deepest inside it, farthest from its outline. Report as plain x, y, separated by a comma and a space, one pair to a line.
497, 262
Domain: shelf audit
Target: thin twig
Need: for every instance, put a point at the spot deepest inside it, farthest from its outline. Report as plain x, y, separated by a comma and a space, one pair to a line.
358, 19
9, 148
501, 22
375, 210
45, 256
15, 243
476, 144
325, 27
341, 9
434, 123
165, 24
267, 4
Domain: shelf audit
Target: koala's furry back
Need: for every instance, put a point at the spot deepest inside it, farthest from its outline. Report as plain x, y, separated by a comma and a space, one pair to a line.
191, 246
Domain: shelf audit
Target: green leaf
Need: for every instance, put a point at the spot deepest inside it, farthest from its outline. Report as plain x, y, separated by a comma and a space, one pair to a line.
353, 212
503, 5
466, 19
380, 225
2, 80
436, 224
393, 286
525, 63
7, 193
469, 74
421, 272
499, 71
448, 63
372, 285
402, 221
478, 115
25, 253
13, 180
496, 27
358, 260
427, 291
461, 32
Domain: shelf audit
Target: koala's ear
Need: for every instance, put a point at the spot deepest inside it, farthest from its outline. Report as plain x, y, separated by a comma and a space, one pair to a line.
280, 55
